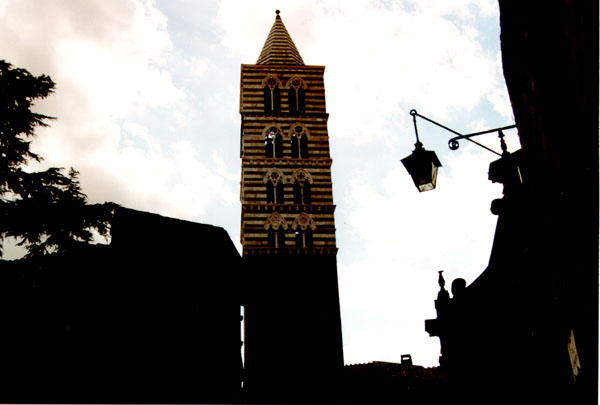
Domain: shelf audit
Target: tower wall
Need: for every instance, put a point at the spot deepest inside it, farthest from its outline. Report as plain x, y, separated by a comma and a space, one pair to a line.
255, 209
293, 336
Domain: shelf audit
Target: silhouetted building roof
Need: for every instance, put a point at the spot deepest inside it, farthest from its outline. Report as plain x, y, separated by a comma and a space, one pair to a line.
152, 317
385, 382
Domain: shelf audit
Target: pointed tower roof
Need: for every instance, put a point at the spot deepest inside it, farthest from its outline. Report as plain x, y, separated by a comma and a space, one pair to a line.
279, 49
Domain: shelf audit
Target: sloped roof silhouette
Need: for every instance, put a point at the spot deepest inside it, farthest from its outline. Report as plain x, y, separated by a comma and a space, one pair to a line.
279, 49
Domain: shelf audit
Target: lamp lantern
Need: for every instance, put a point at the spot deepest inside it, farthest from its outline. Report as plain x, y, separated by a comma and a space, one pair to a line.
422, 165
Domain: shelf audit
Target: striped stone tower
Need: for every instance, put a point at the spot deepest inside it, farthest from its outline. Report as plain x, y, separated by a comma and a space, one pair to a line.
293, 339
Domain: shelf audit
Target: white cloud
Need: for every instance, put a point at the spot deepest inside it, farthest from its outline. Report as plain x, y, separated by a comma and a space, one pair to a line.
108, 59
138, 172
464, 9
112, 50
392, 59
245, 26
197, 67
379, 59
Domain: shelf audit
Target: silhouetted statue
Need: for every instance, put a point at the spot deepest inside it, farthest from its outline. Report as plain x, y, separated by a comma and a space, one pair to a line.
443, 298
458, 287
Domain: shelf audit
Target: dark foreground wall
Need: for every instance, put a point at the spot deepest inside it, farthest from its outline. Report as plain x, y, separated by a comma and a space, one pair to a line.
550, 59
153, 317
526, 331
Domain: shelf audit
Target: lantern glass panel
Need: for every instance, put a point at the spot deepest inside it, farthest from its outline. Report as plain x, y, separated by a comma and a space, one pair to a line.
428, 183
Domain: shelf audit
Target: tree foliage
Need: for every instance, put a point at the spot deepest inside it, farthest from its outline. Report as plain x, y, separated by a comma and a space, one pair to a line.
45, 211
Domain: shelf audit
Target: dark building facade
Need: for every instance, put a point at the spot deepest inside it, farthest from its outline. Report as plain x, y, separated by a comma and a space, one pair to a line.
526, 330
293, 337
152, 317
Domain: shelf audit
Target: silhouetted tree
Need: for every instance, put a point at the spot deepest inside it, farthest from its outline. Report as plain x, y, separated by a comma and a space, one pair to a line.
45, 211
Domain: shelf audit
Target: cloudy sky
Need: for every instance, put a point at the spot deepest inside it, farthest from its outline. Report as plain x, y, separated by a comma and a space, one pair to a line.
147, 104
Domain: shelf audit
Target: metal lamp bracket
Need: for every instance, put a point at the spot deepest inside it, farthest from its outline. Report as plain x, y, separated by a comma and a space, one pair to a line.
453, 143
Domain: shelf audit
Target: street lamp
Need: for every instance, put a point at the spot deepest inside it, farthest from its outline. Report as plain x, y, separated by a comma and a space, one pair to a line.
422, 164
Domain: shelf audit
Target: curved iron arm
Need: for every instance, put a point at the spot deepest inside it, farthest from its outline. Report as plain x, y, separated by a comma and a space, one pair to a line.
453, 142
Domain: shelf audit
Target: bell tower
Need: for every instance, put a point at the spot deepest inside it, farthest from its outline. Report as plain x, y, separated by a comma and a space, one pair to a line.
293, 336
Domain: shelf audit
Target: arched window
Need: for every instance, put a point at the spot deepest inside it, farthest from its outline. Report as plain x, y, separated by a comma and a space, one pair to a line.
308, 238
269, 144
270, 193
273, 142
276, 226
296, 95
306, 197
304, 227
297, 188
279, 194
304, 238
298, 141
278, 145
276, 238
295, 145
272, 98
274, 180
301, 186
304, 146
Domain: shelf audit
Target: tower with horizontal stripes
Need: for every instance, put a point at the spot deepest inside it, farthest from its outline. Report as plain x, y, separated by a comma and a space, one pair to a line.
293, 338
